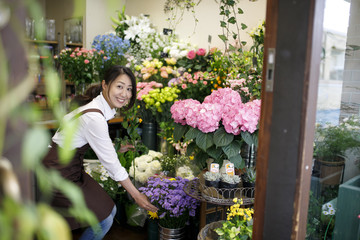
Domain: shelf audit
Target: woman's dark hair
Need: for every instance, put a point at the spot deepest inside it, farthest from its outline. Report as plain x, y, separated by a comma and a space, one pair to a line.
95, 89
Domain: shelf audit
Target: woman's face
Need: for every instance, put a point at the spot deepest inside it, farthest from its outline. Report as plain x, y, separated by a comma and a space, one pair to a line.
119, 92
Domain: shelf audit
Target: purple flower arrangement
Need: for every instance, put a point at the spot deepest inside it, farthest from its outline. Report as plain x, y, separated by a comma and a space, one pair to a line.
175, 206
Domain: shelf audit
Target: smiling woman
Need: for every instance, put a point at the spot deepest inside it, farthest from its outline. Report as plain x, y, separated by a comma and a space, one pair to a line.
117, 90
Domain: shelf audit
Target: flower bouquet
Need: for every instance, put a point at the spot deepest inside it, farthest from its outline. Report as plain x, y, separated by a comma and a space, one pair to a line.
100, 175
197, 85
218, 126
145, 166
197, 60
80, 65
113, 47
238, 224
175, 206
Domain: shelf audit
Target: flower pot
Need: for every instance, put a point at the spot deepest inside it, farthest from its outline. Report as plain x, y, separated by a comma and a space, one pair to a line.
208, 233
214, 184
171, 233
331, 173
149, 135
249, 192
228, 189
152, 230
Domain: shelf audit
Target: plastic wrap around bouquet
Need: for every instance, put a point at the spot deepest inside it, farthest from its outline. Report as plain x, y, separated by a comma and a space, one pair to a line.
175, 206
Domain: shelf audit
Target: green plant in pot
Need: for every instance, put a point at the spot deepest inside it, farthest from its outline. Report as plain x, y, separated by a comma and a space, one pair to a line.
330, 146
228, 183
249, 177
212, 179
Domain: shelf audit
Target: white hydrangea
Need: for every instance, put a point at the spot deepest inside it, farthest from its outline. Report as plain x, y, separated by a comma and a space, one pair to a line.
155, 166
185, 172
155, 154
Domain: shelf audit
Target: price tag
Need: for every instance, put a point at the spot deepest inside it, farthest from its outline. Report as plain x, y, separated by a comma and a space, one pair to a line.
229, 167
214, 168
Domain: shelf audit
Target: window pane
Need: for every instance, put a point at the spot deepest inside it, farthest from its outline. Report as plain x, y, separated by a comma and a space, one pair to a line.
335, 183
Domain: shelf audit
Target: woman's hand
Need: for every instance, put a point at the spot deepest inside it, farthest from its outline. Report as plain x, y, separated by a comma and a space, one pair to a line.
125, 148
139, 198
144, 202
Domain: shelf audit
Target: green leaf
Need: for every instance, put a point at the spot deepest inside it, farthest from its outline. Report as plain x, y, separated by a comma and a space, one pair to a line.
243, 43
222, 138
240, 11
204, 140
200, 159
232, 149
214, 152
243, 26
223, 38
238, 162
35, 146
192, 133
222, 24
248, 138
232, 20
179, 131
232, 48
191, 148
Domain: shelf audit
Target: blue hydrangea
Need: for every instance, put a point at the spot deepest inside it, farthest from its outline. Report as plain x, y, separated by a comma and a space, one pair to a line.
113, 46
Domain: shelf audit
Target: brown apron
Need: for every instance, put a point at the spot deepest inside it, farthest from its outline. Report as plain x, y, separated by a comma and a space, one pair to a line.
97, 200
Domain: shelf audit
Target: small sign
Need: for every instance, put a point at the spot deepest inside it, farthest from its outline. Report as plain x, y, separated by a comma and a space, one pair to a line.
214, 168
229, 167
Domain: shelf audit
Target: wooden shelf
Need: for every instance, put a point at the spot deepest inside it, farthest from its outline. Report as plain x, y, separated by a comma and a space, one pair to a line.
74, 44
42, 41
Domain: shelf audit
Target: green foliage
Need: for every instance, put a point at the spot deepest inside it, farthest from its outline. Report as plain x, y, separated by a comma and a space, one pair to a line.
218, 145
332, 141
169, 164
228, 11
238, 224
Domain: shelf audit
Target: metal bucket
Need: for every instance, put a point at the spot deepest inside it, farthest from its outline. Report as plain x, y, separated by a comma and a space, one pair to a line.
171, 233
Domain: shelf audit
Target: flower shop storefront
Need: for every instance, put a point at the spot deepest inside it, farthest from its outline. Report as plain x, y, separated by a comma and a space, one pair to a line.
221, 140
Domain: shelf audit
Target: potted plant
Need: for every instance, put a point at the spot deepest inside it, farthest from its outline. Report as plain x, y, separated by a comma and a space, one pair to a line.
228, 183
238, 224
249, 177
331, 143
212, 179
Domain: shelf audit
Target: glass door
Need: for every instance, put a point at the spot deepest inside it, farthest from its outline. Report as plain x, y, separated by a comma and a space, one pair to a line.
334, 202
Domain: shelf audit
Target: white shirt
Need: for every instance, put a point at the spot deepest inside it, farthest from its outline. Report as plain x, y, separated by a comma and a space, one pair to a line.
93, 129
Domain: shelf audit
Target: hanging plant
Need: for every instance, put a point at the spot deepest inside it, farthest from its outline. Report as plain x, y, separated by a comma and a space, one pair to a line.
176, 9
229, 11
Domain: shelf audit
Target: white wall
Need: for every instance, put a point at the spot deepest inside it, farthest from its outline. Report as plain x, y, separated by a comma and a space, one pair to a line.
207, 12
97, 18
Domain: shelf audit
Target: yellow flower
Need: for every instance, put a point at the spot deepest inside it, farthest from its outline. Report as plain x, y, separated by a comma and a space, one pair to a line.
191, 157
140, 120
153, 215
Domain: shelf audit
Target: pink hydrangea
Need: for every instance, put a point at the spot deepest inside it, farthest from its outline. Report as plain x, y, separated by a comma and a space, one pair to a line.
209, 117
185, 112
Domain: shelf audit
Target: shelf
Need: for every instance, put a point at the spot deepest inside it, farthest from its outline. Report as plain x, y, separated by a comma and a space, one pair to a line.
42, 41
196, 189
68, 44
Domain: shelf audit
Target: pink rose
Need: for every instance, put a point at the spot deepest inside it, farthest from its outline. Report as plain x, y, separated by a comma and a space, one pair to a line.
191, 54
86, 61
201, 52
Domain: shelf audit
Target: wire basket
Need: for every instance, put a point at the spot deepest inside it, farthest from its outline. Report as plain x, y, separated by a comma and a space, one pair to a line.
222, 196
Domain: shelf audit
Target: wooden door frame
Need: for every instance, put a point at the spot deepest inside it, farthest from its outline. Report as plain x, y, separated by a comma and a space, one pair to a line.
284, 159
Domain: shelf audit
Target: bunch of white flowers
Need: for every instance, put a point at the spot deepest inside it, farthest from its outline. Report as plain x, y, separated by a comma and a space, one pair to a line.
178, 49
97, 171
145, 166
185, 172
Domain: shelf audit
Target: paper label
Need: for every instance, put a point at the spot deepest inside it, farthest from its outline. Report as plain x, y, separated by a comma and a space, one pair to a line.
214, 167
229, 167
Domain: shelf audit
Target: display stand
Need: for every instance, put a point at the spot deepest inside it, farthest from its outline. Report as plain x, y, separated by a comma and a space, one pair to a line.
214, 204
